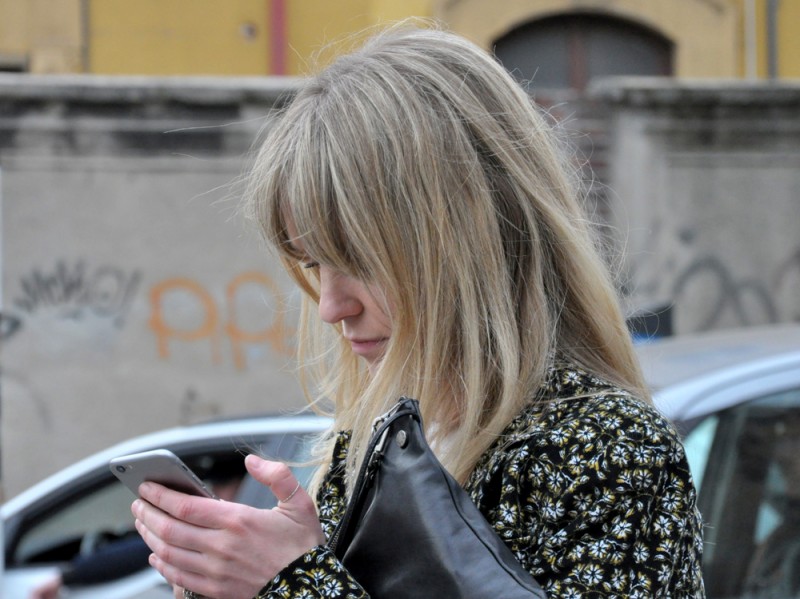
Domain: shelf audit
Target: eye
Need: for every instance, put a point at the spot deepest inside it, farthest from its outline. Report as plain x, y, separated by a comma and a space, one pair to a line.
311, 264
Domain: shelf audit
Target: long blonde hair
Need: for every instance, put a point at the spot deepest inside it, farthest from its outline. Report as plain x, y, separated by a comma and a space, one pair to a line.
418, 164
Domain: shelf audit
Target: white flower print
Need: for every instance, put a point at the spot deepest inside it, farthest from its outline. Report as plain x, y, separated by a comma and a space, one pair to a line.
507, 513
619, 455
640, 553
622, 529
591, 574
662, 525
586, 434
331, 588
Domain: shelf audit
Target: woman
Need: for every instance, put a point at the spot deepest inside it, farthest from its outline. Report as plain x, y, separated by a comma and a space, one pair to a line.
417, 198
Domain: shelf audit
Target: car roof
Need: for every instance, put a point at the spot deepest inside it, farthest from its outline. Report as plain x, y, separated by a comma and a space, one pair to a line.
671, 360
684, 370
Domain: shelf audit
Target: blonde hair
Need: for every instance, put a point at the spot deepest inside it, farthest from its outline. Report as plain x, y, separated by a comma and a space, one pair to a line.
419, 165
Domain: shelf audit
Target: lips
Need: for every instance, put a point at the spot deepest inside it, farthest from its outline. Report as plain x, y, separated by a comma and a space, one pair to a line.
367, 347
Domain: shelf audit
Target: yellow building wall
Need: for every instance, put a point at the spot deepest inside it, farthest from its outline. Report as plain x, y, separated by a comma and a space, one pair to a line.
789, 36
318, 29
314, 24
705, 34
14, 39
788, 42
42, 36
170, 37
243, 37
234, 37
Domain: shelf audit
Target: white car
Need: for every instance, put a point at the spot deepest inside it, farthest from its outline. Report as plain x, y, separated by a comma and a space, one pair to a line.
81, 515
735, 395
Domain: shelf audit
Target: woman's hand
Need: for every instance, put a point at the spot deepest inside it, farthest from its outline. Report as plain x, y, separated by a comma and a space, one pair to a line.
223, 549
50, 589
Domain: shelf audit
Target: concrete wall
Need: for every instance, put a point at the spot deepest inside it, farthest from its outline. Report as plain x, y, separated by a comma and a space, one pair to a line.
133, 298
705, 185
42, 36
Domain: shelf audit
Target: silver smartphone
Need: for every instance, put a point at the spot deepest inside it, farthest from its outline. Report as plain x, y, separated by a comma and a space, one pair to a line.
160, 466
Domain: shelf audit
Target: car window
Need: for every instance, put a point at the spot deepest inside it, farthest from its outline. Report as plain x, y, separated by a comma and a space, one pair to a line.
749, 482
698, 447
59, 536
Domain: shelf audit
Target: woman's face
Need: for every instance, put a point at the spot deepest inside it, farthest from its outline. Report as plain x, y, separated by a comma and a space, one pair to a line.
361, 308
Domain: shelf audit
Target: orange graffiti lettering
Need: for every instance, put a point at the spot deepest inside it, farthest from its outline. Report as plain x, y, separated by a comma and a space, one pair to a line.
276, 334
207, 330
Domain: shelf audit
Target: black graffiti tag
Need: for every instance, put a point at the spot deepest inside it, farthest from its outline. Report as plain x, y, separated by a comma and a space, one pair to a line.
77, 291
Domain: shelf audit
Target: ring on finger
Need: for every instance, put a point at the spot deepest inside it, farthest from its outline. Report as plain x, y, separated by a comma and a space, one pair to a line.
292, 494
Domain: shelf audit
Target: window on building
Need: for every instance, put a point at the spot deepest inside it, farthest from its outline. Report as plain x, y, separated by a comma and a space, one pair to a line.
13, 63
568, 51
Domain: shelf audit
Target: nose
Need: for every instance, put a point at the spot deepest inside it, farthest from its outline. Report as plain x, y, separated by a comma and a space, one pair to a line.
338, 298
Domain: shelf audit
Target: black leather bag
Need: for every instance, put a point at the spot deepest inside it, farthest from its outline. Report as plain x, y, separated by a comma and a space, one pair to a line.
411, 531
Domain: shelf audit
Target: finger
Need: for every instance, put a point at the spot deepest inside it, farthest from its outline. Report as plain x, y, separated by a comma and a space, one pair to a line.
277, 476
179, 579
180, 557
180, 593
200, 511
167, 528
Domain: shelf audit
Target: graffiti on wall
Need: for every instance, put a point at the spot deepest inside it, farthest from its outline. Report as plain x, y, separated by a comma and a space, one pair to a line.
74, 291
728, 297
9, 325
78, 291
217, 323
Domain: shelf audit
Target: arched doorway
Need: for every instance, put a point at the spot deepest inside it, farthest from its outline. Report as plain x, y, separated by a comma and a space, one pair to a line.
569, 50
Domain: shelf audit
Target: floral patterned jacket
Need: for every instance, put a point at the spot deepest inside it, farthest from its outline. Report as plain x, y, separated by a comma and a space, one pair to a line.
591, 490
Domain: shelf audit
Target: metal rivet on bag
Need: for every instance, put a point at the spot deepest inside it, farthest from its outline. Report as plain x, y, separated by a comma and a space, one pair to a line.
402, 439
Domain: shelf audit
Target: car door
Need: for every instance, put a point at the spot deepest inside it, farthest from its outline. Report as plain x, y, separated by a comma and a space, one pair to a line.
746, 463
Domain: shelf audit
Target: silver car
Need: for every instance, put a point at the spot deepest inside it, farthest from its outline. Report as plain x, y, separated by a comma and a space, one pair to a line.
736, 397
80, 517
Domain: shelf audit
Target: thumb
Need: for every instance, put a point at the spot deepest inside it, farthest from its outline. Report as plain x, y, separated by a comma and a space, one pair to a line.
275, 475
